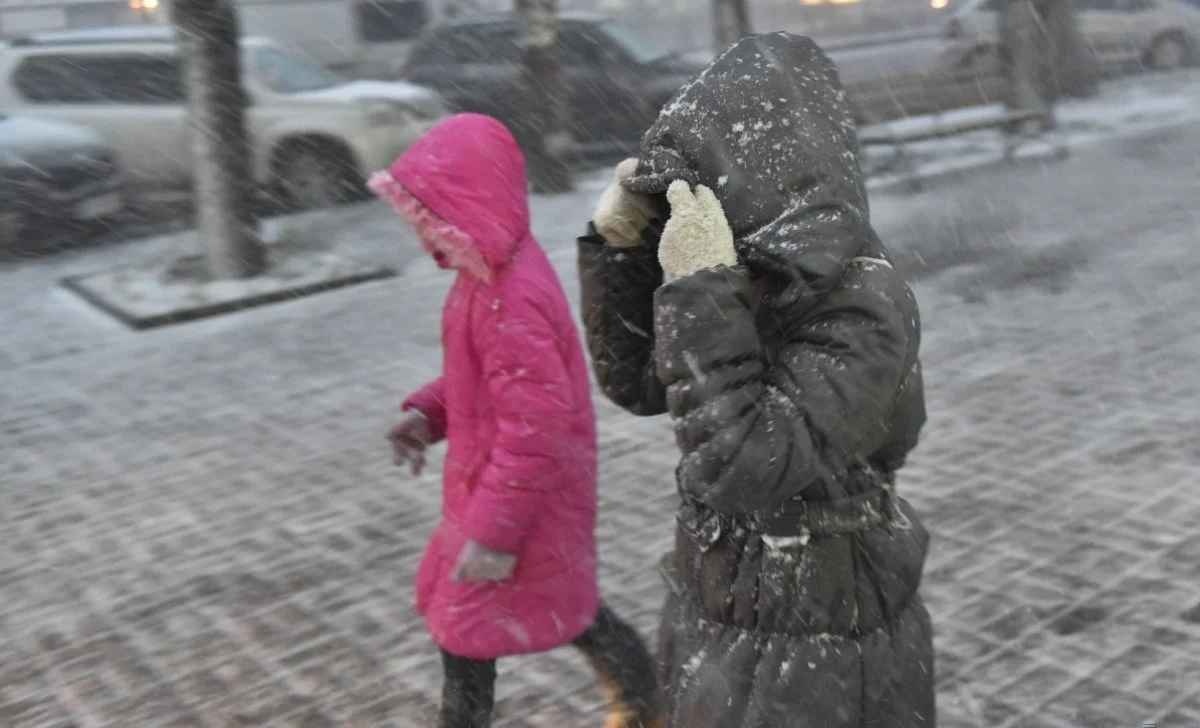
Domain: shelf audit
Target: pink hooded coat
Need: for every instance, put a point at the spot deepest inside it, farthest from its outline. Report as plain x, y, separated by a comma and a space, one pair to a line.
514, 402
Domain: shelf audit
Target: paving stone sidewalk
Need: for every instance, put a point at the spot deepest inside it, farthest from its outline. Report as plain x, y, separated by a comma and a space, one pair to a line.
201, 526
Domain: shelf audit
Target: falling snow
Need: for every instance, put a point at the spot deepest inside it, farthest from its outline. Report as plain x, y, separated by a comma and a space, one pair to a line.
204, 517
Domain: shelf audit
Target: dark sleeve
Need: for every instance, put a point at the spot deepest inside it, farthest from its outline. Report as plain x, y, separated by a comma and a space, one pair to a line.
754, 432
618, 287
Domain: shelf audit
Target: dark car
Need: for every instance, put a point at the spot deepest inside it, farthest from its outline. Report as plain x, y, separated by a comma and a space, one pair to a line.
52, 172
616, 82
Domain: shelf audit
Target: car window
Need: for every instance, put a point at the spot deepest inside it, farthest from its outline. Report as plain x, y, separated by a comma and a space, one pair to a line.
432, 50
468, 46
385, 21
49, 79
496, 45
581, 48
632, 44
87, 79
290, 73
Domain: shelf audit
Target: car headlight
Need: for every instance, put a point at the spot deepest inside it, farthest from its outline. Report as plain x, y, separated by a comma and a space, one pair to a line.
388, 114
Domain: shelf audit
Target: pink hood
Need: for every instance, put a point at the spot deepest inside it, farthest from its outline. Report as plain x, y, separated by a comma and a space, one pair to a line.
468, 172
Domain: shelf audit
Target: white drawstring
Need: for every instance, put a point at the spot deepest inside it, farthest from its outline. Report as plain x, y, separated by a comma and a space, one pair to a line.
865, 259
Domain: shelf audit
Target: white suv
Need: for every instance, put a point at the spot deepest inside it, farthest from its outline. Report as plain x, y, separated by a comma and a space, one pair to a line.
1159, 33
314, 136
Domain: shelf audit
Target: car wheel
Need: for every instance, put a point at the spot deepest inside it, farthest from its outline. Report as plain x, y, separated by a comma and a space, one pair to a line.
1168, 53
313, 178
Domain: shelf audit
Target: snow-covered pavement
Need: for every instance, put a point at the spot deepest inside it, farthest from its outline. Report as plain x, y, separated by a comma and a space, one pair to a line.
202, 526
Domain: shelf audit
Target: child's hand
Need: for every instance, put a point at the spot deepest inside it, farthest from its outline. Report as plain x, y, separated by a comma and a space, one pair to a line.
409, 438
477, 562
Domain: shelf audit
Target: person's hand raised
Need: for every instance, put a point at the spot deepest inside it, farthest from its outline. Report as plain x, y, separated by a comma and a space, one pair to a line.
697, 235
621, 215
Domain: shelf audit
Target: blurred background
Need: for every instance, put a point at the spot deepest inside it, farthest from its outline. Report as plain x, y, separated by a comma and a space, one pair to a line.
200, 523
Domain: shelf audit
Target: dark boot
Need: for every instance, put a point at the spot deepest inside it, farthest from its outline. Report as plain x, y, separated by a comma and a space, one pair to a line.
468, 692
626, 672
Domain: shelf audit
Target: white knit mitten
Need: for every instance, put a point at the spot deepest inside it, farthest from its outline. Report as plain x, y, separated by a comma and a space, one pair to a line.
621, 215
697, 236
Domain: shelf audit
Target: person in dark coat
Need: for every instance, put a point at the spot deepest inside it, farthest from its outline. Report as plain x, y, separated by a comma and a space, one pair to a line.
731, 277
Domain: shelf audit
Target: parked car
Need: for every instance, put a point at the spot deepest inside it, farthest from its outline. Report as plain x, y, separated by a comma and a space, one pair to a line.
911, 77
361, 37
616, 82
1161, 34
53, 172
315, 136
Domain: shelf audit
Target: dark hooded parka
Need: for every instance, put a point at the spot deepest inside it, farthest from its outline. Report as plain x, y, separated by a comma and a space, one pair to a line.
795, 389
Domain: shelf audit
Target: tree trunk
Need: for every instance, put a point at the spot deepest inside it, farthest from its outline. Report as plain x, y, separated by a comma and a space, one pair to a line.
731, 22
1021, 53
1074, 69
224, 179
539, 125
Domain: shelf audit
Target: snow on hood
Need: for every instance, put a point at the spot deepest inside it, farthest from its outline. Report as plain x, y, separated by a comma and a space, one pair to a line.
30, 135
767, 126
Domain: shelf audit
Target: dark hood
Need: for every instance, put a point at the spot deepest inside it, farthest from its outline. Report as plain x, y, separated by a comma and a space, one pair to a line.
767, 126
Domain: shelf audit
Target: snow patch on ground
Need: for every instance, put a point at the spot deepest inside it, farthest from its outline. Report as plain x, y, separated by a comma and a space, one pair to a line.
163, 291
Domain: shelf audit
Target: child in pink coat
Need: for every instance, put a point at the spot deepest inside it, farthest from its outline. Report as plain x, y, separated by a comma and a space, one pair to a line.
511, 568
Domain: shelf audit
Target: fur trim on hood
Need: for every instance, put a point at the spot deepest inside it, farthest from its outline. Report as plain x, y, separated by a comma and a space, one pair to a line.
437, 236
468, 172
